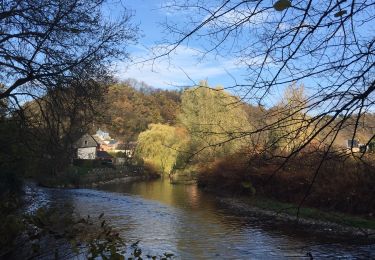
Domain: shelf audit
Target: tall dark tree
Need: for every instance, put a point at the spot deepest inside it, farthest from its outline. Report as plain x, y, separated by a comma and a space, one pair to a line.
55, 64
55, 121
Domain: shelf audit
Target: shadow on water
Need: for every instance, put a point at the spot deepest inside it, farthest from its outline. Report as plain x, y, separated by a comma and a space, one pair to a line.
182, 220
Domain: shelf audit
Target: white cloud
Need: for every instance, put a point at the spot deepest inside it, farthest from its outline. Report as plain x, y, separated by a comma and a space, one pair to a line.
180, 68
240, 16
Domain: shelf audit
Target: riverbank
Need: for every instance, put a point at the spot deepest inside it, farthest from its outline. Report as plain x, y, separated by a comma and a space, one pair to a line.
341, 192
83, 177
311, 219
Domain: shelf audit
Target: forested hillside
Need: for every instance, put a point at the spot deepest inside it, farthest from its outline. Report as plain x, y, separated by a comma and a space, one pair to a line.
128, 109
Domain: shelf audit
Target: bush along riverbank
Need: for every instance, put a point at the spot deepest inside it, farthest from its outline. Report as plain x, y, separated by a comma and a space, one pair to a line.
343, 191
11, 200
86, 176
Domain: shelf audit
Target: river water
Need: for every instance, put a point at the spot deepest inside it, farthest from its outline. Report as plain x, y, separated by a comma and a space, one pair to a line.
182, 220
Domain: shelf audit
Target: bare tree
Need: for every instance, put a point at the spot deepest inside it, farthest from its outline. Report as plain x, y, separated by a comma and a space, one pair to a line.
53, 123
44, 44
55, 64
329, 46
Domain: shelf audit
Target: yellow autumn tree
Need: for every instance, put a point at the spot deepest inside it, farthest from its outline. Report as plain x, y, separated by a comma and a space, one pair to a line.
216, 121
290, 121
160, 145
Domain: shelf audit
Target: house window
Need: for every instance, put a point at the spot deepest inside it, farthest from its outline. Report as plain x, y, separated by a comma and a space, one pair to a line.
85, 142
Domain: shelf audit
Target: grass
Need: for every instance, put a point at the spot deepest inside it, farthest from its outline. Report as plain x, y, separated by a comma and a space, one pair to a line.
312, 213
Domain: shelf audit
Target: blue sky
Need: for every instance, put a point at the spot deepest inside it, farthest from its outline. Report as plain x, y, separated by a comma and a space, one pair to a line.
180, 69
184, 68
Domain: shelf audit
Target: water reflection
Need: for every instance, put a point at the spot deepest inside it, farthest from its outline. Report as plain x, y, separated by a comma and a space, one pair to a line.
205, 228
182, 220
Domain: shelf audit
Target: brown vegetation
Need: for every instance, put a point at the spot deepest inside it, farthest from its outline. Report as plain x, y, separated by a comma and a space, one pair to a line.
127, 110
342, 184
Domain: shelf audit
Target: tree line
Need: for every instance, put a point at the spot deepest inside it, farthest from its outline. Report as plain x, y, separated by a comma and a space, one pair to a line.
213, 123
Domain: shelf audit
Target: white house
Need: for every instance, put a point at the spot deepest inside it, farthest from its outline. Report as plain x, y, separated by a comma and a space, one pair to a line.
86, 147
102, 135
353, 145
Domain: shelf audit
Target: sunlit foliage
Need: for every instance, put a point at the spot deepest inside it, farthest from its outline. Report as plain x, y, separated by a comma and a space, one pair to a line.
216, 121
291, 120
128, 110
160, 146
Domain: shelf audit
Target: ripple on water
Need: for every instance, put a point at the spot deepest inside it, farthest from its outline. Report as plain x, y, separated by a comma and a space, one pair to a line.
181, 220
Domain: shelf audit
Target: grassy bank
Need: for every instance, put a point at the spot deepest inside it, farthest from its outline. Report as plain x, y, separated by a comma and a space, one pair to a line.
312, 213
311, 219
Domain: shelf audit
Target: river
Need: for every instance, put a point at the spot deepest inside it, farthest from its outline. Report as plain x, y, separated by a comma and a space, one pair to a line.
191, 224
